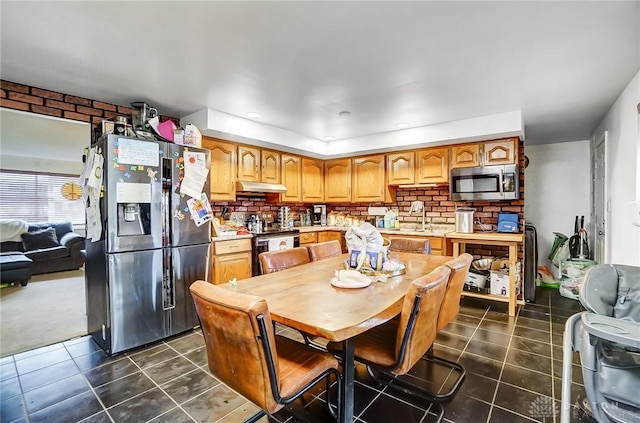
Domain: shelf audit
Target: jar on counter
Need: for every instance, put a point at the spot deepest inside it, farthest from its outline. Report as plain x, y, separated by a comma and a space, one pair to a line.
348, 220
331, 218
340, 219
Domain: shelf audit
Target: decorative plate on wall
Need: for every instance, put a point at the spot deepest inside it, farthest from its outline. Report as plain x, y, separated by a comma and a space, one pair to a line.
71, 191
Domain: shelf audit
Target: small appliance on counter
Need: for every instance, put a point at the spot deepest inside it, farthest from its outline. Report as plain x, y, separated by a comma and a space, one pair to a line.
319, 215
508, 222
464, 220
284, 216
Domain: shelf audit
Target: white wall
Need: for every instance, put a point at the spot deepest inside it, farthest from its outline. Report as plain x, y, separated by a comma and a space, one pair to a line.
38, 164
557, 188
623, 174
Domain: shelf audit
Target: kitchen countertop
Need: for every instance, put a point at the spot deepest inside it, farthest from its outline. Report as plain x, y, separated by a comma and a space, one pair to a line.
230, 237
431, 230
486, 236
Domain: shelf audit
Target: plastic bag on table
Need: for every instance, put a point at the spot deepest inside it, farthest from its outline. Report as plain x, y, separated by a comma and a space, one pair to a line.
363, 239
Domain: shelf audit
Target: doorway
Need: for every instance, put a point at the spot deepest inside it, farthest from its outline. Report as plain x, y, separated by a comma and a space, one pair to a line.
600, 203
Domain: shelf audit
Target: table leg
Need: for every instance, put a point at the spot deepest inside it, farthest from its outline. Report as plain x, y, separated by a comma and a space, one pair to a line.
348, 374
513, 259
456, 248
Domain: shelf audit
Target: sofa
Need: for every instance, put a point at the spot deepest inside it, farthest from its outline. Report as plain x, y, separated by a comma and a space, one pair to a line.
52, 247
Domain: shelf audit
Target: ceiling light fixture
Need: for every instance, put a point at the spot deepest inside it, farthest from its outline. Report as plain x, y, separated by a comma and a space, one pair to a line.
344, 113
402, 125
254, 115
328, 138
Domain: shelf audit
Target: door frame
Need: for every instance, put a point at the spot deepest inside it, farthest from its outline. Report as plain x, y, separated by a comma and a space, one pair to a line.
600, 140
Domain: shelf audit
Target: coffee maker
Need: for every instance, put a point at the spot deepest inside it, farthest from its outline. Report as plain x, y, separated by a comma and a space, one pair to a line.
140, 114
319, 215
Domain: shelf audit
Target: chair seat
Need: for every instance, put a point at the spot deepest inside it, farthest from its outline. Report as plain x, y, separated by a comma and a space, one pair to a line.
299, 364
619, 373
376, 345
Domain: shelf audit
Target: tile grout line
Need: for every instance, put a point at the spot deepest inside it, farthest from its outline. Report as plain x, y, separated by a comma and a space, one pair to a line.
504, 362
553, 387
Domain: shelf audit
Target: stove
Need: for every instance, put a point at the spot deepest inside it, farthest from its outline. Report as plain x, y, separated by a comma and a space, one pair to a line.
270, 240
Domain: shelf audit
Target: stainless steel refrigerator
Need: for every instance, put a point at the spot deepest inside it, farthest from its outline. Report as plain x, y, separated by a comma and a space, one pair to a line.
150, 249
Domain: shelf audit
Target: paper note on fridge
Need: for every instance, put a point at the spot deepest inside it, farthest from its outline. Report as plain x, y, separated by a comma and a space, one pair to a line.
194, 158
200, 209
132, 192
137, 152
194, 178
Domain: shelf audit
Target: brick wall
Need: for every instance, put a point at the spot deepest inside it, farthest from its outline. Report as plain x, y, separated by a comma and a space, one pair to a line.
51, 103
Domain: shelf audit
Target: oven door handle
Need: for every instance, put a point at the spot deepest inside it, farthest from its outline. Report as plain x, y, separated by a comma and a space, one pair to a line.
501, 183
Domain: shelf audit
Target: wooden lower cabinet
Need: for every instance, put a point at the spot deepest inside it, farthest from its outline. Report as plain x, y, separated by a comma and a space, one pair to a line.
231, 259
324, 236
308, 238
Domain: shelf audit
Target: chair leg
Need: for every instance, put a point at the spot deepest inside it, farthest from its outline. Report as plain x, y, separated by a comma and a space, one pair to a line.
406, 387
253, 419
453, 366
334, 413
384, 378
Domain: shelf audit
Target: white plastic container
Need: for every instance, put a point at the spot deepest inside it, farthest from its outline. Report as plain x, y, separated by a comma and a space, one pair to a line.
464, 220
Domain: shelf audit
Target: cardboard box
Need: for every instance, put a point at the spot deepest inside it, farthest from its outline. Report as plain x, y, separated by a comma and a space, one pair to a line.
499, 278
499, 283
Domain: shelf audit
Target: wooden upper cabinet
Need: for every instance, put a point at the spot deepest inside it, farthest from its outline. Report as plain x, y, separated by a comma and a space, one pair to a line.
291, 178
312, 180
337, 180
401, 168
500, 152
369, 182
467, 155
432, 165
248, 163
222, 175
270, 171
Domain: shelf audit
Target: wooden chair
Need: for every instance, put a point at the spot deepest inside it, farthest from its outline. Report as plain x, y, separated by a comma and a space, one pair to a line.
244, 353
409, 245
274, 261
323, 250
448, 311
396, 346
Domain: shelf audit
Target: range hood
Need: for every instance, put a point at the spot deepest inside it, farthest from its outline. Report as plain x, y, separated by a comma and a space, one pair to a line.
250, 186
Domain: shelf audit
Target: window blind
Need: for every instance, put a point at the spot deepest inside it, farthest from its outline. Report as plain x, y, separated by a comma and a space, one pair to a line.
37, 197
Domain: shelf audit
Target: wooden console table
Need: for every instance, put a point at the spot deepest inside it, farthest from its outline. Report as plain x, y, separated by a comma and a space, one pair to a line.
459, 241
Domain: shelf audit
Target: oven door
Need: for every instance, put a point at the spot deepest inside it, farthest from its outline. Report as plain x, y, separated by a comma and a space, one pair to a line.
270, 243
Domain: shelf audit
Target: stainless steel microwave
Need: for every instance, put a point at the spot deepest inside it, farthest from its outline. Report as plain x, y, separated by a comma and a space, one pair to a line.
485, 183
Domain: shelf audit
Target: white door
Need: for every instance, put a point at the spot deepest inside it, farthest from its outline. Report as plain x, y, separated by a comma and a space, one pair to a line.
599, 201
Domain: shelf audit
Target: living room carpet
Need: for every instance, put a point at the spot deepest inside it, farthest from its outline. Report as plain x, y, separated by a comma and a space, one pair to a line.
50, 309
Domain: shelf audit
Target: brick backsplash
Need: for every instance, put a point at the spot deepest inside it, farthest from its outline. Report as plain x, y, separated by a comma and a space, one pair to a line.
44, 102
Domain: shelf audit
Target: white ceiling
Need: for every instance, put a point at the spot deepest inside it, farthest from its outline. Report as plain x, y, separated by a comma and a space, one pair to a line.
562, 64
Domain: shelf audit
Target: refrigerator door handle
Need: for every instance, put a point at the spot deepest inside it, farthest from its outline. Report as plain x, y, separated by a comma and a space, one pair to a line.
168, 284
167, 178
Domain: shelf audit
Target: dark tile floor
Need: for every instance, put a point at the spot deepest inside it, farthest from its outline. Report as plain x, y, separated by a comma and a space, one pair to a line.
513, 375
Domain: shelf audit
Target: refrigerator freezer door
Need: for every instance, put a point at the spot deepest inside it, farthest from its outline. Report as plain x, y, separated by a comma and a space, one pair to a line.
133, 194
136, 299
189, 265
184, 231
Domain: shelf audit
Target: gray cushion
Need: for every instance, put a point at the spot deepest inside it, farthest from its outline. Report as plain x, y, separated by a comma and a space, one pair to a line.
45, 254
45, 238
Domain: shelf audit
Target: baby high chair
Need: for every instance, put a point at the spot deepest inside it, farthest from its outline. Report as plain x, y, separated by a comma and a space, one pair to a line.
607, 336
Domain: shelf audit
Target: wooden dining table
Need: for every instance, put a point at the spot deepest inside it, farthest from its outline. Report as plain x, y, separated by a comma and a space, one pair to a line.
303, 298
